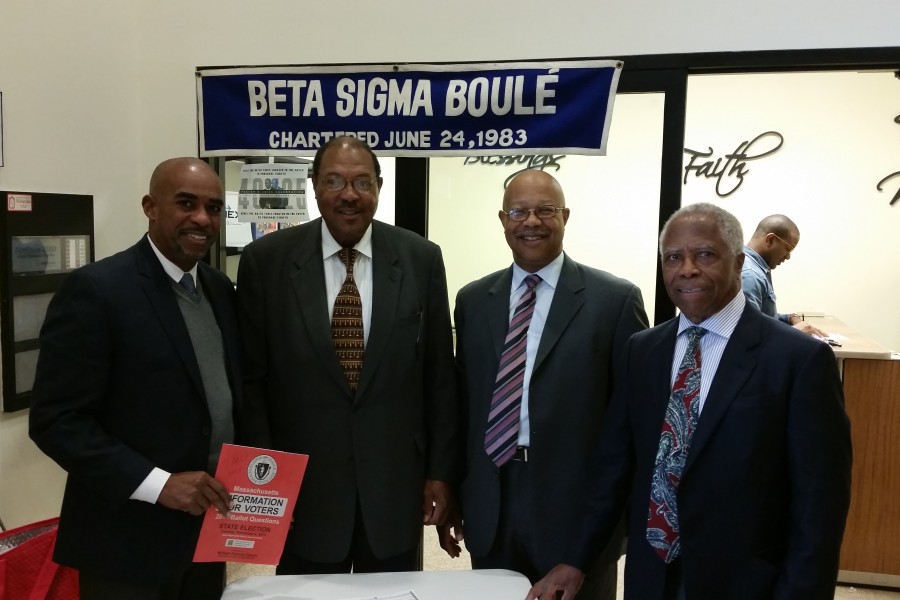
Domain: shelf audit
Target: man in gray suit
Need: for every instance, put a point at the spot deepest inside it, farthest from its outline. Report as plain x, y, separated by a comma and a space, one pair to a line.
378, 422
516, 506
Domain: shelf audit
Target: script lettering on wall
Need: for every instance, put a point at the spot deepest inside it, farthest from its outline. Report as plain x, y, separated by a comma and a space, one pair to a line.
729, 170
539, 162
880, 186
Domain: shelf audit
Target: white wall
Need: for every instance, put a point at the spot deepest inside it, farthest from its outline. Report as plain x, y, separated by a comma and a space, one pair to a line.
613, 202
69, 76
840, 140
97, 92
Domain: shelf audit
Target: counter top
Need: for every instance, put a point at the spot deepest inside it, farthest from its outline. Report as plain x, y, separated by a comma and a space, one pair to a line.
852, 343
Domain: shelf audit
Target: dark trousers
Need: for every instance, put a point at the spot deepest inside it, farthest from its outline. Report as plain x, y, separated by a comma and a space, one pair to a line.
360, 560
516, 548
198, 581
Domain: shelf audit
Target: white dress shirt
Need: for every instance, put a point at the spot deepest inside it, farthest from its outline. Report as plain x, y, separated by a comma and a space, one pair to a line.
336, 272
719, 328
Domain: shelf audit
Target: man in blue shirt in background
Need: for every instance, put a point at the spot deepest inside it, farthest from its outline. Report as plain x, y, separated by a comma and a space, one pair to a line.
775, 238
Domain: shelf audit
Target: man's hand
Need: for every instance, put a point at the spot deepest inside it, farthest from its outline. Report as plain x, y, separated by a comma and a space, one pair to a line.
809, 329
451, 534
193, 492
561, 577
437, 503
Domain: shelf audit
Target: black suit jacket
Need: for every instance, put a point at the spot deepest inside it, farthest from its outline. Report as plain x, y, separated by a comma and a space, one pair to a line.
399, 429
765, 491
591, 317
117, 393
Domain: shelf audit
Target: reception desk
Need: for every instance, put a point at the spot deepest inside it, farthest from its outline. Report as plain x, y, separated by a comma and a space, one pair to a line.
870, 553
490, 584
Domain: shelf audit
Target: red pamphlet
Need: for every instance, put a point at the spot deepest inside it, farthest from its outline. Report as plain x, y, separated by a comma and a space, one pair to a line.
264, 485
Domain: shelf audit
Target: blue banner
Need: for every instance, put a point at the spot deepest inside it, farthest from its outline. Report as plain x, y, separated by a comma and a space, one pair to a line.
409, 110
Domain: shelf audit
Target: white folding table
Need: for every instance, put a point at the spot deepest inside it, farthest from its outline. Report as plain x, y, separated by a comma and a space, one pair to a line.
488, 584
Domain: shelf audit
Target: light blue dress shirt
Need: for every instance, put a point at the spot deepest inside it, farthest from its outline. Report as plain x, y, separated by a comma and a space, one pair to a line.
545, 289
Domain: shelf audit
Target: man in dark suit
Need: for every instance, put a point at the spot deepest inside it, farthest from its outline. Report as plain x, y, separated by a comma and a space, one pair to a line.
514, 513
379, 427
133, 397
729, 437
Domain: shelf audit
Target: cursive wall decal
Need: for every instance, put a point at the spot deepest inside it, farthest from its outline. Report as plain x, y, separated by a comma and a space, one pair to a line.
880, 186
731, 169
540, 162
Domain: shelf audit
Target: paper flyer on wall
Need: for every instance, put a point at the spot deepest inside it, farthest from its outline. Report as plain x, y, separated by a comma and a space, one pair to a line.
264, 485
273, 192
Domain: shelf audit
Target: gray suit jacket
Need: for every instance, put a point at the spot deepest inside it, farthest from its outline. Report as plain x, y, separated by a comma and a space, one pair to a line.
378, 447
591, 317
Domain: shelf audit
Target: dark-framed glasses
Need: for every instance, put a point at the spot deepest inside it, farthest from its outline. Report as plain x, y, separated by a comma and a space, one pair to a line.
335, 183
545, 211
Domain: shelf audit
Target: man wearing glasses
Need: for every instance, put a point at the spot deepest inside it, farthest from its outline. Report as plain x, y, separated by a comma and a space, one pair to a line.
537, 348
775, 238
349, 359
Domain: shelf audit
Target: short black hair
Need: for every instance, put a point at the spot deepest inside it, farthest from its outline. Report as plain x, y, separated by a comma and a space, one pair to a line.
351, 141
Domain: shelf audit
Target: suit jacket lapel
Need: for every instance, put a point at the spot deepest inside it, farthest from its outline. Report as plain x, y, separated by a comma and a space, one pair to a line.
497, 311
387, 279
224, 313
738, 362
566, 304
661, 353
158, 289
308, 283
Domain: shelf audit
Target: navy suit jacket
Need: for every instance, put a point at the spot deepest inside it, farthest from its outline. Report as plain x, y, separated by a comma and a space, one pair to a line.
117, 393
765, 491
591, 317
378, 446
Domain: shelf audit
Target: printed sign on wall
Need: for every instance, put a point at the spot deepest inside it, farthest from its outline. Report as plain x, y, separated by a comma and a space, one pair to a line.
409, 110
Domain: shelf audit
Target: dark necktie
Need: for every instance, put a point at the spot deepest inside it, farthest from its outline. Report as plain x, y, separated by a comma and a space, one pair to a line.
347, 322
187, 282
682, 413
502, 433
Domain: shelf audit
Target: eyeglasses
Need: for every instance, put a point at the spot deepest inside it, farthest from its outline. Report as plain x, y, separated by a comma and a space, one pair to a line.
545, 211
335, 183
789, 246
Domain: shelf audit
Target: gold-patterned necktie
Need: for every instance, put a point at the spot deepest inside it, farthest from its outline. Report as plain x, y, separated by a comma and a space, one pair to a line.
347, 322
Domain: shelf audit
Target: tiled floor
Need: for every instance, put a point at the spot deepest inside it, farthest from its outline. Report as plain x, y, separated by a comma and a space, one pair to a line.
437, 560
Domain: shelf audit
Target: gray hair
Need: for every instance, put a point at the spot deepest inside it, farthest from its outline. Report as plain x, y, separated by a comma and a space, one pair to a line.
728, 224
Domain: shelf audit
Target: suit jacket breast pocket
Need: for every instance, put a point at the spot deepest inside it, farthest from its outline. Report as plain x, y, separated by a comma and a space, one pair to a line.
753, 426
406, 337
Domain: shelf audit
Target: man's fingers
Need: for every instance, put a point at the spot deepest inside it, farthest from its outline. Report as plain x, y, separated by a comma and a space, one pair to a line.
448, 541
216, 496
193, 492
438, 514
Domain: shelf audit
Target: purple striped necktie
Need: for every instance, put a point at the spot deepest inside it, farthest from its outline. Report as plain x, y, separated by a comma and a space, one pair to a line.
682, 413
503, 420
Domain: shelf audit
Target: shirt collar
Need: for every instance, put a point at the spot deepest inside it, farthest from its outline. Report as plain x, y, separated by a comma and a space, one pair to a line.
330, 247
723, 322
549, 274
171, 269
757, 258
